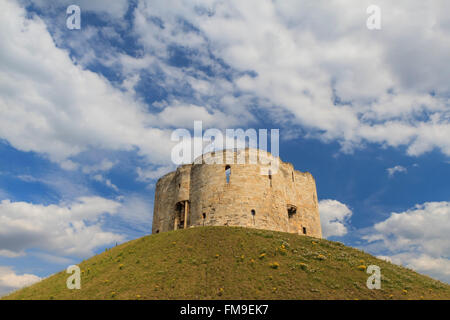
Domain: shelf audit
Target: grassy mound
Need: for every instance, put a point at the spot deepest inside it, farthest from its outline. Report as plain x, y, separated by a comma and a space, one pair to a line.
234, 263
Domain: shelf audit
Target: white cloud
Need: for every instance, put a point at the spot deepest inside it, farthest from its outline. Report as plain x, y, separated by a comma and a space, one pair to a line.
153, 174
392, 171
435, 267
299, 67
183, 116
67, 109
66, 229
10, 281
3, 194
65, 186
106, 181
418, 238
116, 8
333, 217
10, 254
306, 54
54, 259
104, 165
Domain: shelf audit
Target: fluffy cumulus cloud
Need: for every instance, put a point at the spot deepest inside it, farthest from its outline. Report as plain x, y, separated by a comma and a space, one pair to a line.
153, 174
106, 181
9, 280
51, 106
116, 9
307, 64
104, 165
317, 62
66, 229
333, 217
418, 238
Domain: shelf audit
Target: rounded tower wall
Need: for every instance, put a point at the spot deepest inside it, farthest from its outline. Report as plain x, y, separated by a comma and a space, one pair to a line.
284, 200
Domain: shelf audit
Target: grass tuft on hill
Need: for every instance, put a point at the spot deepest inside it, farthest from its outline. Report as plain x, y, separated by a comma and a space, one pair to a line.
234, 263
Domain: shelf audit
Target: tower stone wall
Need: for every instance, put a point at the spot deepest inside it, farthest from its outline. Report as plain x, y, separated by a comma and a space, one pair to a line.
200, 194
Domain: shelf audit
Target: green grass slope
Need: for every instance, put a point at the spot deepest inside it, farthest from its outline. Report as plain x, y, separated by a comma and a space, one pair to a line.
234, 263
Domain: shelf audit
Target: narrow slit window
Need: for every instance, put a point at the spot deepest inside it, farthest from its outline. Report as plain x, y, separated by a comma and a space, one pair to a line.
292, 176
253, 212
270, 177
304, 230
228, 173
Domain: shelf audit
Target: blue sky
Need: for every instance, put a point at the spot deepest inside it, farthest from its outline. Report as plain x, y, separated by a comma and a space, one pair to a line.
86, 117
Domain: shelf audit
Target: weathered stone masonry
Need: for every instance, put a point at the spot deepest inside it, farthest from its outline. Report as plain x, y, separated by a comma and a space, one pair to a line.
237, 195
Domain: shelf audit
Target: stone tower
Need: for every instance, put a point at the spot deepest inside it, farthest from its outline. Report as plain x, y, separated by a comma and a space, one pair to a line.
205, 194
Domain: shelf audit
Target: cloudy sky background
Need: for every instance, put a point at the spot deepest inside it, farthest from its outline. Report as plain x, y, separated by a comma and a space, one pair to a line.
86, 117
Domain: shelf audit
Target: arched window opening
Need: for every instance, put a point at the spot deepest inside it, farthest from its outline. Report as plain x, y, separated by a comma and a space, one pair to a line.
204, 217
228, 173
253, 215
304, 230
157, 231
